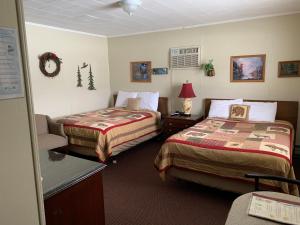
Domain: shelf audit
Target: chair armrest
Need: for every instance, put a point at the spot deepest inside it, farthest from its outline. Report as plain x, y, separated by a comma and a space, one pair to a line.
55, 128
271, 177
257, 176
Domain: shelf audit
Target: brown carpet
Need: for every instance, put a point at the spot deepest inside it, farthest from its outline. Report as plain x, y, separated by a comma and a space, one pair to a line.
135, 195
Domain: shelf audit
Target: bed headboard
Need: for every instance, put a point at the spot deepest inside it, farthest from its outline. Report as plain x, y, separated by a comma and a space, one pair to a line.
286, 110
162, 105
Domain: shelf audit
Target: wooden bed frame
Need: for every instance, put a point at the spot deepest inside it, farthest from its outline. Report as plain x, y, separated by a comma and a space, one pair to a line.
162, 105
286, 110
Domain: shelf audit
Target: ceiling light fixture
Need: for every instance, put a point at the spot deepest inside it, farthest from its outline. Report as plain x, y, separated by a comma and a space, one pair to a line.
130, 6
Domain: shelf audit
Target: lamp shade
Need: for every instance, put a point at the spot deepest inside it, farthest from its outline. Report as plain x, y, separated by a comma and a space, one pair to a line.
187, 91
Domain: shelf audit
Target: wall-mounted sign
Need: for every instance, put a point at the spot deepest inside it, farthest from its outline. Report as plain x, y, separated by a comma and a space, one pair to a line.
11, 79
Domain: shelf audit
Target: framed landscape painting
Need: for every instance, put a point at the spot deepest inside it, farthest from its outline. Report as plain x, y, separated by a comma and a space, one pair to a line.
140, 71
289, 69
247, 68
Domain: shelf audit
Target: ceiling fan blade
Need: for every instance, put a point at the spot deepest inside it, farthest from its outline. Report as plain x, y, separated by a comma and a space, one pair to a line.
114, 5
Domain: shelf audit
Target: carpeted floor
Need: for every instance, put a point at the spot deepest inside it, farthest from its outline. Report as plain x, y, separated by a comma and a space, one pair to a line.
135, 195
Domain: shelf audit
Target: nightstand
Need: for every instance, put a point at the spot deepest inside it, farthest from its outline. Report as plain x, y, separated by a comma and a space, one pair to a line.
174, 124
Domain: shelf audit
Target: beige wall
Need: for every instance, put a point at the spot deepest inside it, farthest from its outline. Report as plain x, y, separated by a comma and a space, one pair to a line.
277, 37
59, 96
18, 194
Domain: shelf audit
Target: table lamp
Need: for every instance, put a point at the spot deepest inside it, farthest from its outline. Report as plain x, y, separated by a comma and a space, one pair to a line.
187, 93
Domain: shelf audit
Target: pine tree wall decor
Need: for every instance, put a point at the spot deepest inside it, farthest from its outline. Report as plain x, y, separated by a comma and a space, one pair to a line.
79, 80
91, 80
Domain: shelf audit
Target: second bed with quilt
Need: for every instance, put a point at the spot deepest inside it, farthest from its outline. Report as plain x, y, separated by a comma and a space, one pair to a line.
218, 152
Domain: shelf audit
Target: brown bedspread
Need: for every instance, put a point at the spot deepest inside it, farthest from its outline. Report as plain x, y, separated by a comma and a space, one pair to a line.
231, 149
103, 130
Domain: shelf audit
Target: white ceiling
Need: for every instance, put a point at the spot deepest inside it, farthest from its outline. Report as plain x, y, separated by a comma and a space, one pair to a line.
97, 17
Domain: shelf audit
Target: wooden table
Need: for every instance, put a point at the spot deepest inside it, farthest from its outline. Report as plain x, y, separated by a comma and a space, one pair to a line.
73, 191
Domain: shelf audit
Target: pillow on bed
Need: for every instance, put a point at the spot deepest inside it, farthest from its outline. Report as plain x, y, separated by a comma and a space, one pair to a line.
149, 100
239, 112
262, 111
134, 103
122, 99
221, 108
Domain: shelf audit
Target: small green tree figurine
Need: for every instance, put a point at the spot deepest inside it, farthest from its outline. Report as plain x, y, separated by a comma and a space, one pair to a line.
209, 68
79, 80
91, 80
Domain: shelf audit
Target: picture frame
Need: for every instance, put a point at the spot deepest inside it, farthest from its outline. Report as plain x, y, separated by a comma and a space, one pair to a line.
289, 68
140, 71
247, 68
160, 71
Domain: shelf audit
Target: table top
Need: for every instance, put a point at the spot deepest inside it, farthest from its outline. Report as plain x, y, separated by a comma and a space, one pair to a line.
60, 171
240, 207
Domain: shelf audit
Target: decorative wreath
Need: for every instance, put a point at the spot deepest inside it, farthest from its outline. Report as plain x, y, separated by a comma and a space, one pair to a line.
47, 56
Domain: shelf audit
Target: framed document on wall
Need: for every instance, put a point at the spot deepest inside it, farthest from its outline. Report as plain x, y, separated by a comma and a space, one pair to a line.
11, 79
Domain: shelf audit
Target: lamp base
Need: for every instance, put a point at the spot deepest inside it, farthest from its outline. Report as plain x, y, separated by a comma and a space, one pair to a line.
187, 106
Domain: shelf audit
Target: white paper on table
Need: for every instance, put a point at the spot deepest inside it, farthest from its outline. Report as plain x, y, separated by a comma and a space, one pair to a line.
279, 210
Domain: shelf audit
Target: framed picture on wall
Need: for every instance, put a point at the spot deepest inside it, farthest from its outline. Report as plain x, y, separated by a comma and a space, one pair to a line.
289, 69
247, 68
140, 71
160, 71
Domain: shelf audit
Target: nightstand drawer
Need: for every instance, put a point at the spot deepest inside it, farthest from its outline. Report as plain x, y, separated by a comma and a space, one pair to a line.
173, 130
175, 124
170, 131
178, 125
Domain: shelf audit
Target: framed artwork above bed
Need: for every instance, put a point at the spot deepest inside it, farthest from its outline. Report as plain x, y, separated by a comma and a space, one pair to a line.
140, 71
289, 69
247, 68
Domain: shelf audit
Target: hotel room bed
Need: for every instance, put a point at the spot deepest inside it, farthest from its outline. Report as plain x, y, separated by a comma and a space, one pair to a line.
219, 152
107, 132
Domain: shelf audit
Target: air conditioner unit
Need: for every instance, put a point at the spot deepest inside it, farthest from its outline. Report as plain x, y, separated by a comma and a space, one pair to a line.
182, 58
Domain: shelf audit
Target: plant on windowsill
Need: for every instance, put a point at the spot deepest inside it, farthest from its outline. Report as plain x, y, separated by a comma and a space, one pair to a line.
209, 68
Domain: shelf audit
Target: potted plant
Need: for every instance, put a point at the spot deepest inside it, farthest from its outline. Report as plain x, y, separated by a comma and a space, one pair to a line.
209, 68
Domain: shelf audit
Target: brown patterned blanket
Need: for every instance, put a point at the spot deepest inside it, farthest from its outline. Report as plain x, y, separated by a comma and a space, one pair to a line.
103, 130
231, 149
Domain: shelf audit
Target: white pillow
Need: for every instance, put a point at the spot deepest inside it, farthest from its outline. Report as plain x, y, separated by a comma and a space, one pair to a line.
221, 108
122, 99
262, 111
149, 100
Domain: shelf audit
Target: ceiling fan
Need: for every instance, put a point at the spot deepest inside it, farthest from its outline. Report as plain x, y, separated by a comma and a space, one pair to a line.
129, 6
